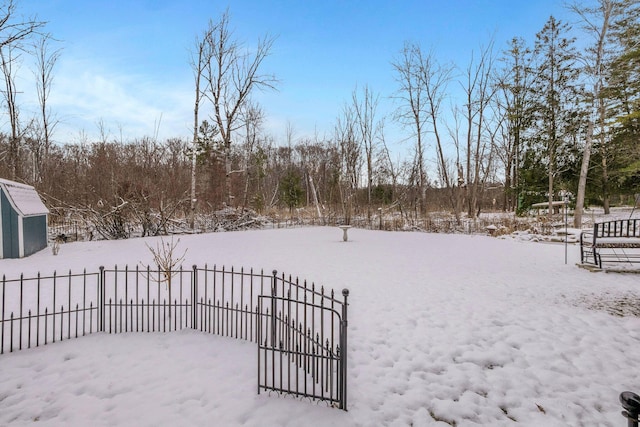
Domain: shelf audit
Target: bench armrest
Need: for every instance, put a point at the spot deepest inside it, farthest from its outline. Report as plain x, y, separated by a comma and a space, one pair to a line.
587, 237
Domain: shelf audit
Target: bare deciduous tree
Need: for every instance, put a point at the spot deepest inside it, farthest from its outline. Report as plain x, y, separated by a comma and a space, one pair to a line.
351, 160
435, 78
46, 59
364, 108
198, 62
253, 118
8, 64
14, 30
479, 91
412, 111
390, 168
232, 73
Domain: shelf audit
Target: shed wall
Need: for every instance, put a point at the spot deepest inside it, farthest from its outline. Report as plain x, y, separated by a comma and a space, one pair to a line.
34, 234
9, 222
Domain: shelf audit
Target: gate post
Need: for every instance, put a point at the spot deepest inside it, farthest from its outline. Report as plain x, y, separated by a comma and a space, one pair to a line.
343, 351
101, 303
631, 405
274, 292
194, 297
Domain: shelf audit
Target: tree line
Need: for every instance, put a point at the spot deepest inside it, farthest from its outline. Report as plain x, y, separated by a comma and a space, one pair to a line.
553, 117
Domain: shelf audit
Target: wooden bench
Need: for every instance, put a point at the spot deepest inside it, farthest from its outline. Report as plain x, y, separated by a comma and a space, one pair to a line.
611, 241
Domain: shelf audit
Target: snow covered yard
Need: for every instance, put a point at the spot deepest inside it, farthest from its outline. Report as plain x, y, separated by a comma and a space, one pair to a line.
443, 330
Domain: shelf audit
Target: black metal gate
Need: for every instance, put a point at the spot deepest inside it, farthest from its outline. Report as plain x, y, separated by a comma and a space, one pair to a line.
302, 342
301, 332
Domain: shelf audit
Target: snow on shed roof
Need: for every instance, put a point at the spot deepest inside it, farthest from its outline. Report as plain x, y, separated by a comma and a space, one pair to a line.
24, 198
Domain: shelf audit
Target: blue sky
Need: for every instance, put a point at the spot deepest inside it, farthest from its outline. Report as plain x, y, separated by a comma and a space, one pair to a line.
125, 62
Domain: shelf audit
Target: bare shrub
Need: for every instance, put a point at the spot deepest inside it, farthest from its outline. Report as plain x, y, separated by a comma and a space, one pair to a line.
166, 259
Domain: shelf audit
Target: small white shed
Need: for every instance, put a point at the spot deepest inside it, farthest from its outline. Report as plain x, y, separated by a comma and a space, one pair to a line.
23, 220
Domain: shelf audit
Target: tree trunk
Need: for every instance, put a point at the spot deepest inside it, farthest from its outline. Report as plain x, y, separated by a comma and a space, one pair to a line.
605, 184
315, 197
227, 173
506, 194
582, 181
550, 198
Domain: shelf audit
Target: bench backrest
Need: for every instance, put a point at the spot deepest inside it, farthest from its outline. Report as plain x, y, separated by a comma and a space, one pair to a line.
617, 228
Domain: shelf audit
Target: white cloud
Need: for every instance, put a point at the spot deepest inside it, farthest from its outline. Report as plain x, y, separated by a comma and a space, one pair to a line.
129, 105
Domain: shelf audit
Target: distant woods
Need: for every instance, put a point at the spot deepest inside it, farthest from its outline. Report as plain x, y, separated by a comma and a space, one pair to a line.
531, 121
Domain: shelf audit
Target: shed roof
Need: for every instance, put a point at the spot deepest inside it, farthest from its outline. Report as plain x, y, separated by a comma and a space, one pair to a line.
24, 198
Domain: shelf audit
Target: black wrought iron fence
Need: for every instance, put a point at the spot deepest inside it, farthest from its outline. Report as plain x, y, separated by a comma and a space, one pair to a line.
145, 300
41, 310
302, 342
227, 300
310, 333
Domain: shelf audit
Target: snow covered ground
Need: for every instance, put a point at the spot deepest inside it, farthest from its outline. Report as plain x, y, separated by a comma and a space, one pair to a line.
443, 330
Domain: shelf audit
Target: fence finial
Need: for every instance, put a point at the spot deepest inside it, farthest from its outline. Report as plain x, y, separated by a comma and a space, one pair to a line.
631, 404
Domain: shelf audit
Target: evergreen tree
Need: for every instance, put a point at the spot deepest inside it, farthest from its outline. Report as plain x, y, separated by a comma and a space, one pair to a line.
622, 157
291, 189
515, 103
556, 94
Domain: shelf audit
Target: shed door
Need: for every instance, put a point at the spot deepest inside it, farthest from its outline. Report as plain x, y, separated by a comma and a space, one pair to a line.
34, 229
10, 244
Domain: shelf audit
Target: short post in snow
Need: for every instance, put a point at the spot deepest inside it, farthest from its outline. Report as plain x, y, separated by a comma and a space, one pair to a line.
274, 293
631, 405
565, 199
343, 350
194, 297
345, 235
101, 302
